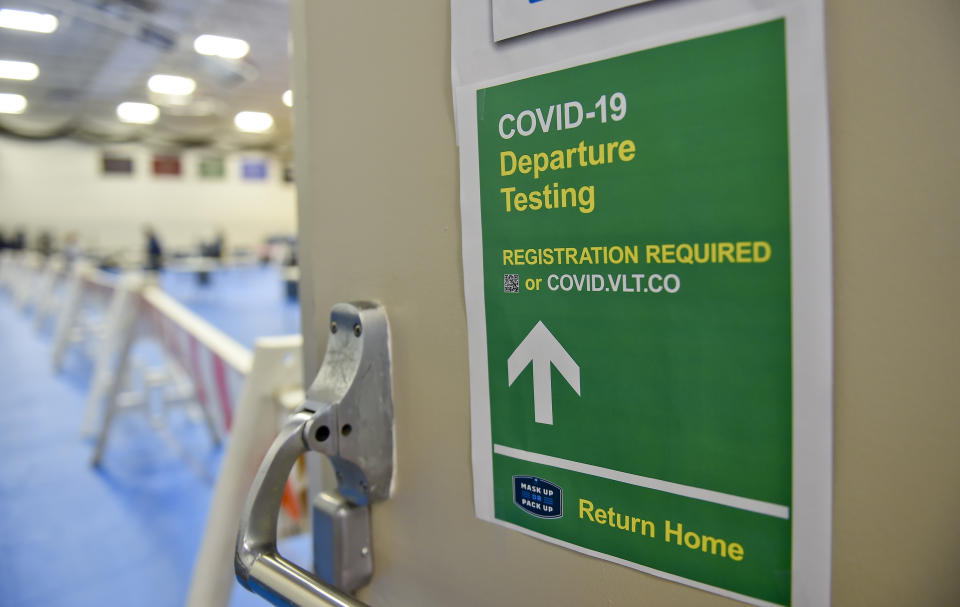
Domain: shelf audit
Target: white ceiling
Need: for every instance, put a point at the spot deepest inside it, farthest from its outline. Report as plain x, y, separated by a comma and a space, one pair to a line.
105, 50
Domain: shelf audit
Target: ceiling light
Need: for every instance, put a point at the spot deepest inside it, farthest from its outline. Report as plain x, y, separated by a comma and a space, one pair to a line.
221, 46
288, 98
171, 85
18, 70
138, 113
27, 21
253, 122
11, 103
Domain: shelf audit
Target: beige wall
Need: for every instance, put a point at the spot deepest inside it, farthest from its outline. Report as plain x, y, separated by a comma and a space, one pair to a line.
377, 169
894, 84
59, 186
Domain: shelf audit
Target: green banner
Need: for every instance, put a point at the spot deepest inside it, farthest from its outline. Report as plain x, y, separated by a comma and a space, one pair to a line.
636, 271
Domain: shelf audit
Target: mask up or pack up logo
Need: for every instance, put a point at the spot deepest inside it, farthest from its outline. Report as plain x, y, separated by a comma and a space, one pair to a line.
538, 497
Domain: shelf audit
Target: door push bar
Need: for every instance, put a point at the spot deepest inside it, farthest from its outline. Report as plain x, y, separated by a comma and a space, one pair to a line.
348, 416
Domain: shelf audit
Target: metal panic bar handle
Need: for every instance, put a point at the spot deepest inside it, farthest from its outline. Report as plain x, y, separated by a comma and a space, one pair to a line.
348, 416
258, 565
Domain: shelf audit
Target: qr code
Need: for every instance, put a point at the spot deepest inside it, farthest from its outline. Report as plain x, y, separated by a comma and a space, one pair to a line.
511, 283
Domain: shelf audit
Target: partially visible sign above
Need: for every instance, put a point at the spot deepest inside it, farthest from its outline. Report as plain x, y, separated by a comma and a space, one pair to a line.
517, 17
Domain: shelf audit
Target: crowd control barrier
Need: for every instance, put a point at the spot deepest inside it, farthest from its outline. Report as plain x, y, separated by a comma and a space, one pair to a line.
6, 267
47, 297
241, 393
87, 303
19, 275
9, 262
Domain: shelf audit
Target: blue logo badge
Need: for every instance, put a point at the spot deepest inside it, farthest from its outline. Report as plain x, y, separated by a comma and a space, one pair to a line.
538, 497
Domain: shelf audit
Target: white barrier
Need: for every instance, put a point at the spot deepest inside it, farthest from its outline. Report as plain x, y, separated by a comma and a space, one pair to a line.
6, 269
216, 367
243, 393
87, 303
46, 300
255, 428
18, 274
113, 362
27, 277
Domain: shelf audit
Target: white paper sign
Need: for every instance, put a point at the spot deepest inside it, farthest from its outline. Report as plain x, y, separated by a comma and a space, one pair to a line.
516, 17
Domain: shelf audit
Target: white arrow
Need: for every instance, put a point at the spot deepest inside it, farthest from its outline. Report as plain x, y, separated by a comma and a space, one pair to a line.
541, 348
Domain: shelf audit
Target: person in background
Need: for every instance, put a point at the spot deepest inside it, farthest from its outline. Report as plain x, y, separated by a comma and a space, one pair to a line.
214, 248
18, 242
45, 243
71, 248
218, 246
154, 250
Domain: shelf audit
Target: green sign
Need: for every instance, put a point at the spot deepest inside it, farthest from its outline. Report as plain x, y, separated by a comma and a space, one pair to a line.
211, 167
635, 232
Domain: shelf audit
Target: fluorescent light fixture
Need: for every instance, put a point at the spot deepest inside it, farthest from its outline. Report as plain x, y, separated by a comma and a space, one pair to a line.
28, 21
288, 98
221, 46
138, 113
166, 84
18, 70
253, 122
11, 103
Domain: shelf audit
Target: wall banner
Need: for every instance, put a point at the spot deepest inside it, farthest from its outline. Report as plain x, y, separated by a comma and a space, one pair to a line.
647, 276
253, 168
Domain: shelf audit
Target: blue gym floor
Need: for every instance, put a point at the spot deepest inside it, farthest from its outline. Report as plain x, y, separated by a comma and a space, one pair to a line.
128, 532
244, 303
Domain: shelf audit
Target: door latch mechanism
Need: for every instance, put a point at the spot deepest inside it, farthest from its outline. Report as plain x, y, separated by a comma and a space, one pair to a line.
348, 416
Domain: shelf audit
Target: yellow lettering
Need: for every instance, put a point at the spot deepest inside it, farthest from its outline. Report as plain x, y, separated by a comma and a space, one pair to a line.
644, 526
504, 157
653, 252
611, 145
586, 508
668, 251
539, 164
736, 551
506, 192
520, 201
761, 251
691, 539
535, 201
712, 543
556, 160
668, 532
585, 198
725, 250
